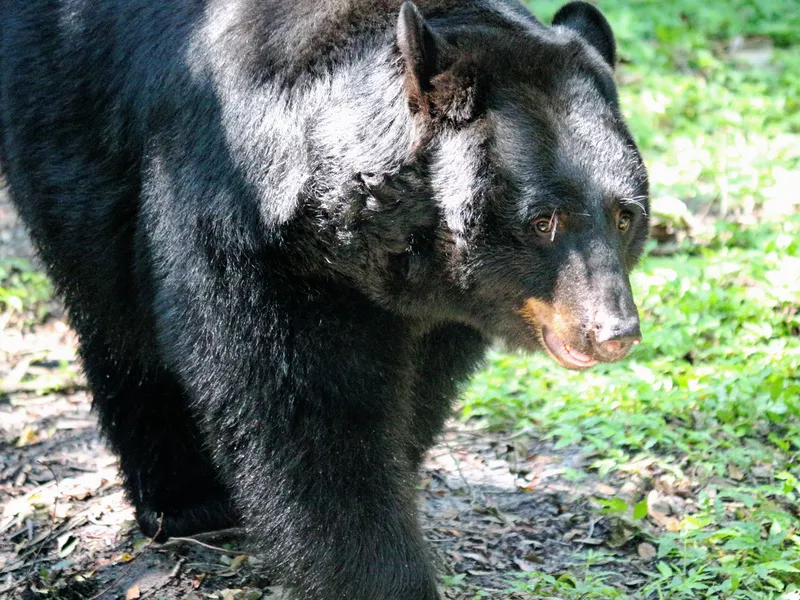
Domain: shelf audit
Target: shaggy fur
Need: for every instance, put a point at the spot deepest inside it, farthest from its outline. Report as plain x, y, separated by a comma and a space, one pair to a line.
287, 229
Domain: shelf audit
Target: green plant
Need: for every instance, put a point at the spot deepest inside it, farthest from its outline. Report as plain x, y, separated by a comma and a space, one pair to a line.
23, 288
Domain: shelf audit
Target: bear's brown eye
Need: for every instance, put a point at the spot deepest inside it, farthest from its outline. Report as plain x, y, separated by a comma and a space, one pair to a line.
543, 225
623, 223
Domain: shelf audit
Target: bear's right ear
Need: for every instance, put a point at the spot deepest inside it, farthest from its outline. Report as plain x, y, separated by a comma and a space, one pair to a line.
591, 25
437, 84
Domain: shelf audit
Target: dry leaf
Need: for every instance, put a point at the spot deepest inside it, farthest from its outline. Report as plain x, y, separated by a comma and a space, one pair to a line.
62, 510
476, 557
237, 562
605, 490
735, 473
647, 551
449, 513
669, 523
27, 437
621, 534
524, 565
132, 593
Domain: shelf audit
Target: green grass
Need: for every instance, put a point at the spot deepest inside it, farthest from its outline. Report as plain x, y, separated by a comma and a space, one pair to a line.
23, 290
712, 396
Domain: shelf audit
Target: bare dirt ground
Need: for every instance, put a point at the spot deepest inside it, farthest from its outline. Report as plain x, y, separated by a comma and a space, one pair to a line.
493, 506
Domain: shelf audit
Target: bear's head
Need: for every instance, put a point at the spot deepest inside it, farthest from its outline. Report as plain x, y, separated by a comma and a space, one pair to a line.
540, 193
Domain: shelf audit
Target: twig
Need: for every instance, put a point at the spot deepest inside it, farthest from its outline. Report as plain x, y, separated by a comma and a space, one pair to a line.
67, 525
130, 563
234, 532
457, 463
592, 523
176, 568
175, 541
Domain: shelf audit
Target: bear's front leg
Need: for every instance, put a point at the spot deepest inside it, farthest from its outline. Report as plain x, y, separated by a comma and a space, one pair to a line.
304, 398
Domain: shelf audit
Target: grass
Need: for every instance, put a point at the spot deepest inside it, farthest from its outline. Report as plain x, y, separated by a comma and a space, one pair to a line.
711, 399
24, 291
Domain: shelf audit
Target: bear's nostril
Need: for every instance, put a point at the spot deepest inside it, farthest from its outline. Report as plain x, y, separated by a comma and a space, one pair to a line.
611, 347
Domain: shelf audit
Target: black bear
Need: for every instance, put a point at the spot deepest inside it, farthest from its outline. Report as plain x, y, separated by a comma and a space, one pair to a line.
286, 231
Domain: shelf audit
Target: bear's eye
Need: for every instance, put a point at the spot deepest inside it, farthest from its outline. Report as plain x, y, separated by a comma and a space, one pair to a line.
623, 222
543, 225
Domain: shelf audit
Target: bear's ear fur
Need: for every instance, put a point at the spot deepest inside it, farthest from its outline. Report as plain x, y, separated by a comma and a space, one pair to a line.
592, 26
438, 84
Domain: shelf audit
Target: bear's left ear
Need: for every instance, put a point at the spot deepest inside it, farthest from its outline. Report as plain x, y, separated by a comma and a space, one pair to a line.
437, 83
592, 26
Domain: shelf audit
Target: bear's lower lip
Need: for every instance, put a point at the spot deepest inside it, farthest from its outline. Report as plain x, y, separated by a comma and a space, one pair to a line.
564, 354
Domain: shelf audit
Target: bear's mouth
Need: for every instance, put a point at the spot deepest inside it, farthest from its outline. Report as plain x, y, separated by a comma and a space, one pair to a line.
564, 354
546, 322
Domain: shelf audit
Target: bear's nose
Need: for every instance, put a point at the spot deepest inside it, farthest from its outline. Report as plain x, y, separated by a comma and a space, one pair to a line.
614, 337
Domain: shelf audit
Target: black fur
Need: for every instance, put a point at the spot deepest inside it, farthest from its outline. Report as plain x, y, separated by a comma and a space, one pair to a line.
590, 23
287, 229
